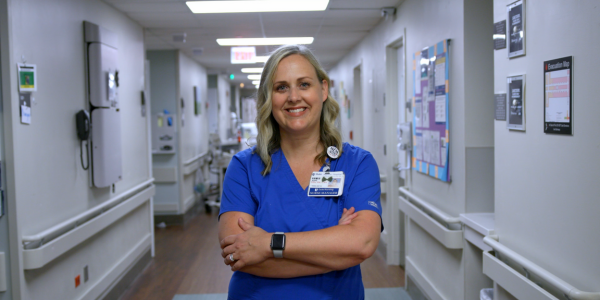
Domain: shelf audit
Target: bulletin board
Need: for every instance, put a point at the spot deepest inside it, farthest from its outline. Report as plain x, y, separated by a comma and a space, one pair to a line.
430, 111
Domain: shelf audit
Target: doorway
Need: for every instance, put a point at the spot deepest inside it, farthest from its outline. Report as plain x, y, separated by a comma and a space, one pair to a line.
356, 110
396, 118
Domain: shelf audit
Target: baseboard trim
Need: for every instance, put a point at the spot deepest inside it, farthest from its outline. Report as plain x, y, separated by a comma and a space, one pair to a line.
116, 273
421, 281
122, 284
165, 207
181, 219
382, 249
189, 202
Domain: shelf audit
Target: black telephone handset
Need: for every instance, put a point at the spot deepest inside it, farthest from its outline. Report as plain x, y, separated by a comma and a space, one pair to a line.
83, 124
82, 119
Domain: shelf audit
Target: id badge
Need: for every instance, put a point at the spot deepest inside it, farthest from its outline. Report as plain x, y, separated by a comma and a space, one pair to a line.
326, 184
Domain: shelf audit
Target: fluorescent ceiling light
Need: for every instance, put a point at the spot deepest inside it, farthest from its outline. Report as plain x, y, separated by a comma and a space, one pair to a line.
256, 82
265, 41
254, 77
256, 86
215, 7
261, 59
252, 70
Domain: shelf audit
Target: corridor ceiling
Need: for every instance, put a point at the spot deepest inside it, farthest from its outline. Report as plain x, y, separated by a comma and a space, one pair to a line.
336, 30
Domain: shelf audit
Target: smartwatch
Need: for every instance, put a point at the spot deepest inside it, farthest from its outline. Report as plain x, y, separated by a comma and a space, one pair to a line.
278, 244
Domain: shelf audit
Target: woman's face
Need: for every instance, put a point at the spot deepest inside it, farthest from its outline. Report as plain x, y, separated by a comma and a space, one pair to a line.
298, 96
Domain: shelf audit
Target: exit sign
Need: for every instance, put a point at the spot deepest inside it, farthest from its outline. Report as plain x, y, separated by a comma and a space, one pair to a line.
243, 55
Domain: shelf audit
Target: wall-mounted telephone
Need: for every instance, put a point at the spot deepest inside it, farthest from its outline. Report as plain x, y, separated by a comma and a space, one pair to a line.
83, 124
82, 120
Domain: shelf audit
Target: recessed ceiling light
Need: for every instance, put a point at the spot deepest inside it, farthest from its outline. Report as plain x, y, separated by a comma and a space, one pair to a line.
254, 77
265, 41
252, 70
256, 82
215, 7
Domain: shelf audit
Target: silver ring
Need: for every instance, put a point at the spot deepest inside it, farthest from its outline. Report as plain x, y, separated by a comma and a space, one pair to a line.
231, 257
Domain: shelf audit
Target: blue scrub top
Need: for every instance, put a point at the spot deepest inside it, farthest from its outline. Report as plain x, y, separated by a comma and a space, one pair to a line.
279, 203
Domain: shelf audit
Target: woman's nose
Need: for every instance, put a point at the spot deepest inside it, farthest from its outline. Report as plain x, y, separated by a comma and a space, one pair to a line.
294, 94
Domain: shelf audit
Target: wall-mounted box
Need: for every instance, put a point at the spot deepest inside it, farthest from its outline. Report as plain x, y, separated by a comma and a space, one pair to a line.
164, 134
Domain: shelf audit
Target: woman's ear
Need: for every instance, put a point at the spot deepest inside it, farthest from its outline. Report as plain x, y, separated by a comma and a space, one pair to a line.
325, 89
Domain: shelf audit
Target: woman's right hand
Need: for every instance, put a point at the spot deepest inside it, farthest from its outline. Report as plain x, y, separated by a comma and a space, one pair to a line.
347, 216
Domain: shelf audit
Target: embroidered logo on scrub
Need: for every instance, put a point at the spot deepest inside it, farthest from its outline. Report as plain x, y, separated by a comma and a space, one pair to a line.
372, 203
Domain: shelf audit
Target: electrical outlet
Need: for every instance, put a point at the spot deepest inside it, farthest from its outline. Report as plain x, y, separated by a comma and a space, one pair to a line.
85, 274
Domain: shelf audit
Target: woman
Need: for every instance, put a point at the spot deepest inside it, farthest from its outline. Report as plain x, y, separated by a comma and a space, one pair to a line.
283, 242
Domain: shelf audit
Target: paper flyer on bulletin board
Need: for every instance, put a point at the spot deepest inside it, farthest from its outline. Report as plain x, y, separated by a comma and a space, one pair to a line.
430, 111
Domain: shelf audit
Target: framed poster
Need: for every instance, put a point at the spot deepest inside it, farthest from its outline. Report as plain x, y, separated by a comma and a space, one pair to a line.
558, 96
516, 28
430, 118
500, 35
515, 107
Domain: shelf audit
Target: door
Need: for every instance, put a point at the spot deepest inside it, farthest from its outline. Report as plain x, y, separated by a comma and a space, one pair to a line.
5, 290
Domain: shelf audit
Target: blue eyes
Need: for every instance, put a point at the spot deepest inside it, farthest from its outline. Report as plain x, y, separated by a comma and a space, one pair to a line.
283, 87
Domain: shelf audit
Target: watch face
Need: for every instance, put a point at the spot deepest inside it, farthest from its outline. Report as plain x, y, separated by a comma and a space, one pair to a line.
278, 242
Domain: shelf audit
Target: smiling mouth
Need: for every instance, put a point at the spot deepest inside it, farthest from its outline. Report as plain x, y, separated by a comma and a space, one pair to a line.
297, 110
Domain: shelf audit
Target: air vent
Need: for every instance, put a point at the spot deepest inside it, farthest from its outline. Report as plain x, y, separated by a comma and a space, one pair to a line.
179, 37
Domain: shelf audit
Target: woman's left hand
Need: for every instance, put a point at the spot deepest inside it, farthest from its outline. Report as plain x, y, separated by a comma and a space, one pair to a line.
248, 248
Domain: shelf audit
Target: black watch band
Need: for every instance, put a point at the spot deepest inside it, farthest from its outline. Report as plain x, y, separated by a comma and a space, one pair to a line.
278, 244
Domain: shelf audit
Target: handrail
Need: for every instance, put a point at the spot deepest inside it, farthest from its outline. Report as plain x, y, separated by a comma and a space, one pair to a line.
195, 158
432, 209
451, 238
568, 290
37, 240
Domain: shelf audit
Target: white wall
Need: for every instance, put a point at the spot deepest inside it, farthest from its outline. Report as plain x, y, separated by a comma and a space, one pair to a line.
174, 76
547, 185
420, 24
164, 94
47, 182
224, 90
194, 135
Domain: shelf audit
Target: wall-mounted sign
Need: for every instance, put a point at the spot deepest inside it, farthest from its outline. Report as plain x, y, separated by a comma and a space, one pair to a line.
243, 55
516, 29
27, 78
515, 112
500, 104
197, 101
500, 35
558, 96
25, 107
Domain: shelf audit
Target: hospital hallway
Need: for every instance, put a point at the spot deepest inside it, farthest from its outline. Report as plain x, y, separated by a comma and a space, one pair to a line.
461, 132
188, 262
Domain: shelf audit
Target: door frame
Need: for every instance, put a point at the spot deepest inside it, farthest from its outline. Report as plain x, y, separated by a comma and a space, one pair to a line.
396, 247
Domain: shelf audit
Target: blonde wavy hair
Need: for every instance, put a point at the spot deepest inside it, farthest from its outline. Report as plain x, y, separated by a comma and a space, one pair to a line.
269, 138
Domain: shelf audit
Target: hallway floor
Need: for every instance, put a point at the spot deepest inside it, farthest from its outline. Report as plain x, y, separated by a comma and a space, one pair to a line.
188, 261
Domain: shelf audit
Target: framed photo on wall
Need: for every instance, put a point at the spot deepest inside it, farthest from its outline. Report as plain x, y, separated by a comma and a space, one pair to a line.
515, 106
516, 28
